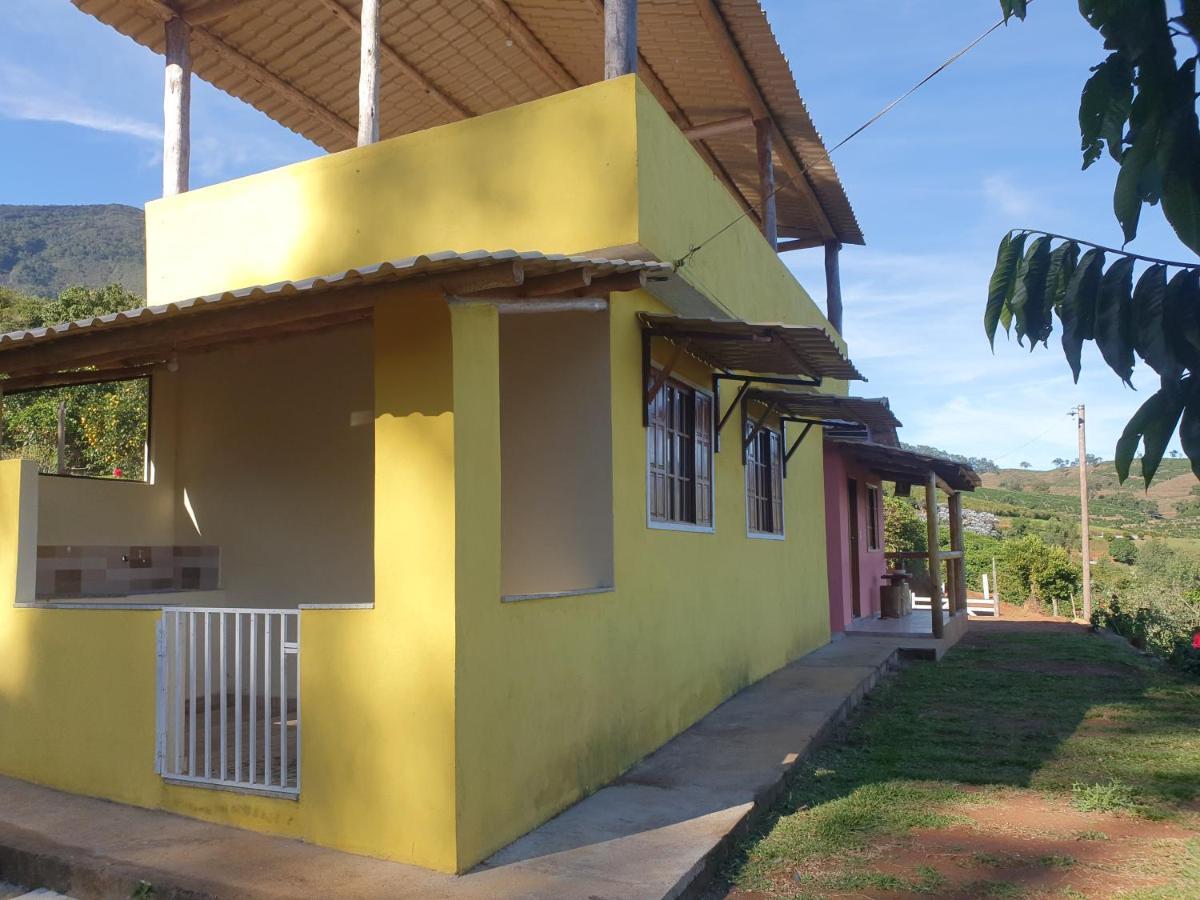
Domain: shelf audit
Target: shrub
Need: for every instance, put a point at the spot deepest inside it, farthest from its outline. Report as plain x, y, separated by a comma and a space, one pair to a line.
904, 527
1160, 623
1123, 550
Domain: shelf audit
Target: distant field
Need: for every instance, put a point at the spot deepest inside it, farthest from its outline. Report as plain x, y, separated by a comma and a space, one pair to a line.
1170, 510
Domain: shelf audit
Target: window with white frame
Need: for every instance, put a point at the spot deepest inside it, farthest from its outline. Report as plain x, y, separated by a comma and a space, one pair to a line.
874, 518
764, 483
679, 456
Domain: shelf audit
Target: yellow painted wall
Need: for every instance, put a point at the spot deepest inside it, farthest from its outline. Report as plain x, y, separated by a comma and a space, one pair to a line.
276, 474
682, 204
97, 512
77, 687
557, 175
443, 723
558, 696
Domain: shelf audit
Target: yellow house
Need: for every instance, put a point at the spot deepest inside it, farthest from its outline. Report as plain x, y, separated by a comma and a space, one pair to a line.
454, 505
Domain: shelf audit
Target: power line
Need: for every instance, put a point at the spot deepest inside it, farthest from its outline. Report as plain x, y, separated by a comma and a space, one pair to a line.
826, 154
1026, 444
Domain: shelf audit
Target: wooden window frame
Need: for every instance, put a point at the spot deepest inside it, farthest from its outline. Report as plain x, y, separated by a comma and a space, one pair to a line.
689, 495
874, 518
764, 485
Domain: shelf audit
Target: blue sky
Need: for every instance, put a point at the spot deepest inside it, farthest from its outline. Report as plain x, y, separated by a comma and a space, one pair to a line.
990, 144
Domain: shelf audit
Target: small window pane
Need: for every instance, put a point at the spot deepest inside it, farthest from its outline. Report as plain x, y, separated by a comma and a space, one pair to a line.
679, 456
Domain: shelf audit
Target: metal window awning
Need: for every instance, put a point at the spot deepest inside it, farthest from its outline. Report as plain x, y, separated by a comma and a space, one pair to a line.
852, 417
909, 467
732, 345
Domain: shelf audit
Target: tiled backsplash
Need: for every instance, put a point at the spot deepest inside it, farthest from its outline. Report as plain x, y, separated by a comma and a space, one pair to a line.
71, 573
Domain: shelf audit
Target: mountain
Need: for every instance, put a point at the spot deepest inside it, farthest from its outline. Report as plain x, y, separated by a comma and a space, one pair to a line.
44, 249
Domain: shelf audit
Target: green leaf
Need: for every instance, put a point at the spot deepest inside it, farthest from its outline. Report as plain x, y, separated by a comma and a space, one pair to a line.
1114, 331
1104, 108
1153, 424
1149, 334
1078, 311
1029, 297
1180, 158
1181, 318
1063, 263
1189, 432
1002, 285
1138, 182
1012, 8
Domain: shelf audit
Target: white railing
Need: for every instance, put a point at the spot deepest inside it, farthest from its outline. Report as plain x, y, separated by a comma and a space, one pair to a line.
229, 698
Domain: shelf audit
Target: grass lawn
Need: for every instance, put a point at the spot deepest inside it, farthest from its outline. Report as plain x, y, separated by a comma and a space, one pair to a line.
1036, 760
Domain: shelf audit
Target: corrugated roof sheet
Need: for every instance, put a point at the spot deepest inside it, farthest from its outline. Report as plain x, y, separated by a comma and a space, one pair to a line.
874, 414
472, 64
762, 348
896, 463
434, 264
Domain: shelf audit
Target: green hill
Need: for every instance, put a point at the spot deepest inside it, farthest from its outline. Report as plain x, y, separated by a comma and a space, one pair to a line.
44, 249
1169, 509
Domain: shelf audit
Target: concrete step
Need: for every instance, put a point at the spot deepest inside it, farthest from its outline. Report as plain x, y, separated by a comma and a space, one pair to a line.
12, 892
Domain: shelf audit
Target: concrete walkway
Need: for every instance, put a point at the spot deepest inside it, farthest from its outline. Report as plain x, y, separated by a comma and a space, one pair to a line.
658, 831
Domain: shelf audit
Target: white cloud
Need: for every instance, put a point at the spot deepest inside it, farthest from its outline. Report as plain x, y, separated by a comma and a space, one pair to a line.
27, 96
1006, 197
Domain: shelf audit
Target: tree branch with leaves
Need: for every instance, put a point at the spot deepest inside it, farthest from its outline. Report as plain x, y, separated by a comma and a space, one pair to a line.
1140, 106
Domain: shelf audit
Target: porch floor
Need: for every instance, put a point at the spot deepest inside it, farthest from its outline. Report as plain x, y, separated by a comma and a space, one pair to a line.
657, 831
913, 632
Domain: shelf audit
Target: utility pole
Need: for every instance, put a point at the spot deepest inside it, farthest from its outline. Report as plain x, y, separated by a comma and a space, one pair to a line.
1081, 419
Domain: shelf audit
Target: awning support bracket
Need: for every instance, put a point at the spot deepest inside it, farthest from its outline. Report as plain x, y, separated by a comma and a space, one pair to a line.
746, 382
758, 426
657, 379
796, 446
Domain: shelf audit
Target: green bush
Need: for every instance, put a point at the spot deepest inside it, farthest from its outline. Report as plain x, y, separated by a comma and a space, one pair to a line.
1123, 550
1155, 621
904, 527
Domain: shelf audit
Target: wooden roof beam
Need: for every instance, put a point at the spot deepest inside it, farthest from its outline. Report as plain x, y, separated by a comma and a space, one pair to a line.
666, 98
390, 53
520, 34
211, 11
792, 164
719, 127
205, 39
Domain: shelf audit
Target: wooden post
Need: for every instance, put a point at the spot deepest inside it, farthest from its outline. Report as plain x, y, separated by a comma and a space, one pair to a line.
61, 442
177, 102
833, 285
766, 182
620, 38
368, 74
958, 600
1083, 510
935, 563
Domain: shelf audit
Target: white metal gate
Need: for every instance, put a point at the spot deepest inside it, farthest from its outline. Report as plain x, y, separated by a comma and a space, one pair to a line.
229, 698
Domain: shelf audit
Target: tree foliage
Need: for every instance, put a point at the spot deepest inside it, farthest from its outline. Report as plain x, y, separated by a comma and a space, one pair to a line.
105, 424
904, 526
45, 249
1123, 550
1139, 105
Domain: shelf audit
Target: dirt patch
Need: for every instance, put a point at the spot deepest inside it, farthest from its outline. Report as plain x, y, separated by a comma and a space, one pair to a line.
1017, 844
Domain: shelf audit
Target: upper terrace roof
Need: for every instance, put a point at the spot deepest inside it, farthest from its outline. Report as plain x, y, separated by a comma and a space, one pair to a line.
297, 61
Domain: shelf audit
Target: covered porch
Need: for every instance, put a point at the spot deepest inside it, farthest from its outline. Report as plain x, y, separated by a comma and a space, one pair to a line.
872, 590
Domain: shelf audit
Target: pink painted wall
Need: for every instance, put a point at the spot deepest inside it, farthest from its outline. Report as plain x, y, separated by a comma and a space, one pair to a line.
872, 564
